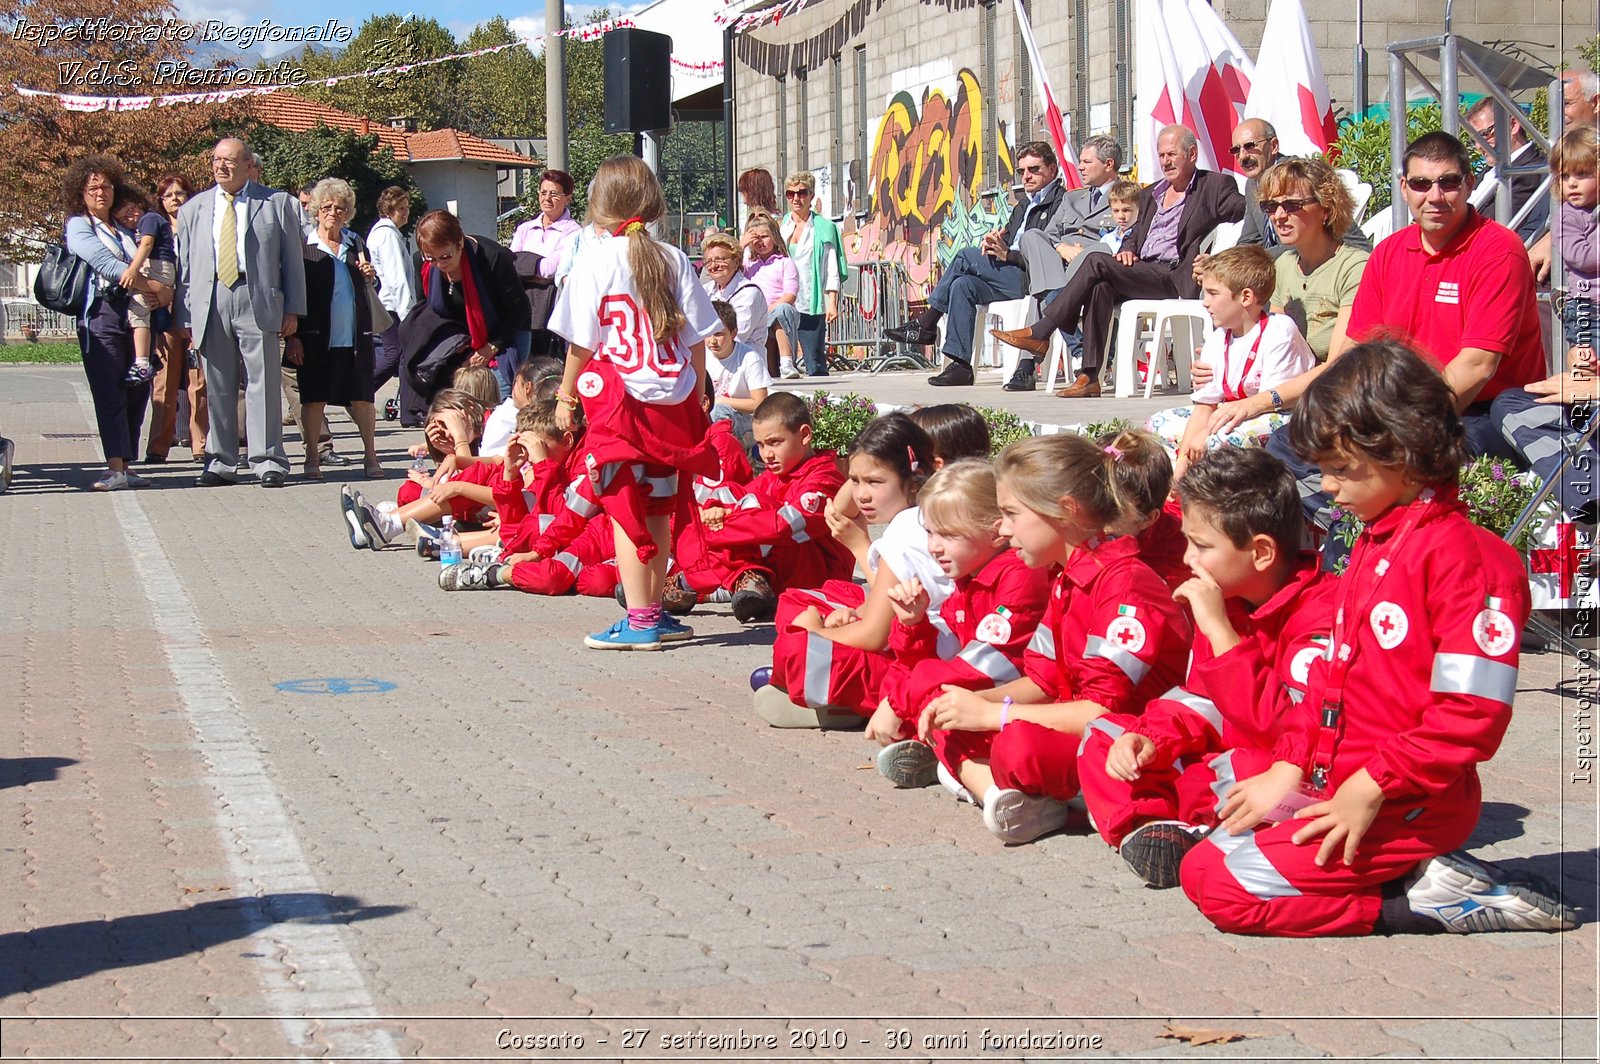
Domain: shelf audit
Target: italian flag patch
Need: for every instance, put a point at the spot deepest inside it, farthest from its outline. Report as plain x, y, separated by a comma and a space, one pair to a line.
1125, 610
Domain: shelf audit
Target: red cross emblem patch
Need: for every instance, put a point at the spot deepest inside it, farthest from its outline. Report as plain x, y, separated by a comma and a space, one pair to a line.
1493, 632
1390, 624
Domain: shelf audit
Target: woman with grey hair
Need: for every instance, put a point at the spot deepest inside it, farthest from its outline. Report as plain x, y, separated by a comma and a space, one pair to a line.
332, 351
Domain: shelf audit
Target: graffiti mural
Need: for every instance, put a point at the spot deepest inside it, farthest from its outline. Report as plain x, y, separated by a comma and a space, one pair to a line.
928, 190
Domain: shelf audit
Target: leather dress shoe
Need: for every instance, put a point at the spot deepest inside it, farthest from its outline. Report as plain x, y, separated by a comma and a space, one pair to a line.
1022, 340
912, 333
1023, 380
955, 374
273, 478
208, 479
1084, 387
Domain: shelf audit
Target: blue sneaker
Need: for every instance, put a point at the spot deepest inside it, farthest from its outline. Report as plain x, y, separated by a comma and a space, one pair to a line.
621, 637
673, 630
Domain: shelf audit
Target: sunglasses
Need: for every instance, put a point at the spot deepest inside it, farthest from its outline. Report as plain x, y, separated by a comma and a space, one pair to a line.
1030, 169
1270, 207
1249, 145
1447, 183
795, 193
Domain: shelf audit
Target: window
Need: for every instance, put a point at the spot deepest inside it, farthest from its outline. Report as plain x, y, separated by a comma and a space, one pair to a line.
1080, 69
1123, 113
803, 123
783, 128
1023, 125
864, 123
836, 145
991, 150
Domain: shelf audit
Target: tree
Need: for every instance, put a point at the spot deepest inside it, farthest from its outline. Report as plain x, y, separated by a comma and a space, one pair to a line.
38, 139
430, 95
291, 161
502, 95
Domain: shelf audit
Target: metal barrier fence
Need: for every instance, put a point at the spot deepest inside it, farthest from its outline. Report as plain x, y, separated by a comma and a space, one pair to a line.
29, 321
872, 300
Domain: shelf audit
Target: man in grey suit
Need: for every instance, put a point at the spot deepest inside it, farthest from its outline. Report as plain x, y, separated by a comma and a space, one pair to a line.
1051, 255
241, 286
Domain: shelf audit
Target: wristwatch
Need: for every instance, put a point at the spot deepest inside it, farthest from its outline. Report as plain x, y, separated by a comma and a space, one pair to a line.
1277, 401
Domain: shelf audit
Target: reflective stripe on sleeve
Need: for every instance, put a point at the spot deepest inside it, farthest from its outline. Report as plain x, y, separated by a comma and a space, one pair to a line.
1468, 674
1134, 669
989, 661
578, 504
1197, 704
1043, 642
797, 522
1109, 728
574, 566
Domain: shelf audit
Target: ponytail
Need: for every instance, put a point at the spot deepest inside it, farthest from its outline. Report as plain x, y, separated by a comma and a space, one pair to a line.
624, 198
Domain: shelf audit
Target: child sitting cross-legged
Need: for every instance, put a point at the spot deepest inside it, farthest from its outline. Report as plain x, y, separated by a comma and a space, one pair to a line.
1254, 351
772, 534
1143, 475
1262, 610
1379, 761
993, 611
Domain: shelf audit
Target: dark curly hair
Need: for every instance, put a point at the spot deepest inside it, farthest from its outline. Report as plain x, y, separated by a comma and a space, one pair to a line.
1245, 492
78, 174
1383, 399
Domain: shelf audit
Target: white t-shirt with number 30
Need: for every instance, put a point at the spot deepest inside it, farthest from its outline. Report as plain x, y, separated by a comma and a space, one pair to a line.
599, 308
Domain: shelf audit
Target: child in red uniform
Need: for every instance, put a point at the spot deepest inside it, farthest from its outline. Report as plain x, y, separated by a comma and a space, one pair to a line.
993, 611
774, 534
635, 319
827, 667
1143, 474
1262, 610
1111, 640
1386, 744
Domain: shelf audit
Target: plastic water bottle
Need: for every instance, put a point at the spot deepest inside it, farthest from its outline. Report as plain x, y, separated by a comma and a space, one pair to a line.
420, 465
449, 543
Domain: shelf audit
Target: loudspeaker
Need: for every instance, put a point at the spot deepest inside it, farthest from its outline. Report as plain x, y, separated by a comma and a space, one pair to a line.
638, 81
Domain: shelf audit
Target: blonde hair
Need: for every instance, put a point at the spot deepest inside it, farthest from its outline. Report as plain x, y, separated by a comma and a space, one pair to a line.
1246, 266
722, 242
1043, 470
1141, 476
478, 382
1576, 151
1327, 188
1122, 191
802, 177
624, 189
960, 499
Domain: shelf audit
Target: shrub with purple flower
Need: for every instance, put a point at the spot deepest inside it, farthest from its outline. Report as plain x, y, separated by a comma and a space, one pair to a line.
1496, 496
836, 420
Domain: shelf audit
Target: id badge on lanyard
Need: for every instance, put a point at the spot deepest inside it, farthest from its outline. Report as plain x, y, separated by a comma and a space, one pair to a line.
1330, 715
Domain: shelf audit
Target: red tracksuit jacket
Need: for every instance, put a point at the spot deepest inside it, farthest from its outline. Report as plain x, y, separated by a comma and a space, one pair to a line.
993, 612
1241, 698
1162, 547
1112, 634
1434, 638
779, 525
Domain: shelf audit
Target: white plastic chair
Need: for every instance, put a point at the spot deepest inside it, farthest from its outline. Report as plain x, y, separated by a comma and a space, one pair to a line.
1013, 314
1359, 190
1184, 320
1379, 226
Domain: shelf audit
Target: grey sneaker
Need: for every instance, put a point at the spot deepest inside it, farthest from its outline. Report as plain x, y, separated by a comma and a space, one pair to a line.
1014, 817
1155, 850
908, 763
464, 576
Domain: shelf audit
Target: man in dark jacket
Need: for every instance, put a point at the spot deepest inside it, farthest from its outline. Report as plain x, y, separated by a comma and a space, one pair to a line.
1175, 214
989, 273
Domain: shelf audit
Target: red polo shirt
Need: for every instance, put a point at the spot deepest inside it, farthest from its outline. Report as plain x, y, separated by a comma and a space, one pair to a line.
1477, 292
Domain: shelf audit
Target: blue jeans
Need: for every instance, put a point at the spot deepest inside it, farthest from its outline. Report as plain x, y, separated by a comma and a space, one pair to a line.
813, 346
511, 360
971, 279
1580, 322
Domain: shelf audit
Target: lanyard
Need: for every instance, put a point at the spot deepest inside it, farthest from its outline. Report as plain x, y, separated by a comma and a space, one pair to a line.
1331, 716
1249, 363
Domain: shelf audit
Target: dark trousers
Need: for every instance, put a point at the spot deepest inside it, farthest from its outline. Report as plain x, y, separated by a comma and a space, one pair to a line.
813, 337
1542, 433
386, 348
107, 346
972, 279
1483, 438
1091, 299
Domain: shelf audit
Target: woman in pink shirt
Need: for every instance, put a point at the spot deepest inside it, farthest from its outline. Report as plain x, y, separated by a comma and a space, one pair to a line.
767, 263
549, 235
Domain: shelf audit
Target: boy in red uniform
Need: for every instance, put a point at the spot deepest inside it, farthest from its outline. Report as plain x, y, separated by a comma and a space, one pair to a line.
1379, 761
1262, 610
775, 535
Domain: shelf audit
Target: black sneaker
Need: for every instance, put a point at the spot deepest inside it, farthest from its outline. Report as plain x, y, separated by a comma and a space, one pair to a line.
754, 601
1155, 850
955, 374
913, 333
1023, 380
391, 409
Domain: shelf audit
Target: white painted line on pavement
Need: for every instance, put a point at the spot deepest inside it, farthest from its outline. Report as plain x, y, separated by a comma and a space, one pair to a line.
305, 968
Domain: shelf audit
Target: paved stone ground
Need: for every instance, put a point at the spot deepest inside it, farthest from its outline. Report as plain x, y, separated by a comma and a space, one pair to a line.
522, 840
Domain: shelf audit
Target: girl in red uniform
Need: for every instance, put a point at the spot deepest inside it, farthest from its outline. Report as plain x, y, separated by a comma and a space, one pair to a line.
1143, 474
1111, 640
1380, 759
635, 319
992, 612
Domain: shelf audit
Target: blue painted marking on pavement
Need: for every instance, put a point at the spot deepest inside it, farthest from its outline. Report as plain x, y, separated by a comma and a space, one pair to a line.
336, 685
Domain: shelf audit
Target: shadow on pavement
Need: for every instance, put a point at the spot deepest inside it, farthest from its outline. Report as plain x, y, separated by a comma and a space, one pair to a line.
33, 960
1573, 874
1498, 822
21, 771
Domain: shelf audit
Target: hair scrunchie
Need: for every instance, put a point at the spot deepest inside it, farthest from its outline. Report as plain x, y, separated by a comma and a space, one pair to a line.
632, 225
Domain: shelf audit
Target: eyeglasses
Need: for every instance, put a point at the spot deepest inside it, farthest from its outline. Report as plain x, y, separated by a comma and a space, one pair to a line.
1249, 145
795, 193
1270, 207
1447, 183
332, 208
446, 257
551, 193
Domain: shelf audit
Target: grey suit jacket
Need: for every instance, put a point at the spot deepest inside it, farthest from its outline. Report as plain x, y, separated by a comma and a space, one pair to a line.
1074, 222
274, 258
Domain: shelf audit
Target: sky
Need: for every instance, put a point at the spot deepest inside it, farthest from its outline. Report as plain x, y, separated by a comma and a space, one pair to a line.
459, 16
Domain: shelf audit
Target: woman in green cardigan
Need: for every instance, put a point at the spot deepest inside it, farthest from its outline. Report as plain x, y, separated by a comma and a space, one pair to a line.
817, 250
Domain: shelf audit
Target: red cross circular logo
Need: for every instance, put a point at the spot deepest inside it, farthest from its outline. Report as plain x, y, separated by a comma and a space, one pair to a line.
1126, 633
1493, 632
994, 629
1389, 624
1300, 664
590, 385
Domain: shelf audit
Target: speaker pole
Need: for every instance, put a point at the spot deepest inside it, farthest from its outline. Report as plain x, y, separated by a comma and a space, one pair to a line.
555, 85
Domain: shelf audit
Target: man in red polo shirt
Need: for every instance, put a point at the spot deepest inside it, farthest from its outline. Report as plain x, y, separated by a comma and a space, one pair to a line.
1456, 286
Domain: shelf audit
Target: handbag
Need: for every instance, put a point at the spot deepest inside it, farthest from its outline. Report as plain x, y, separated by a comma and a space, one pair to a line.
62, 284
382, 320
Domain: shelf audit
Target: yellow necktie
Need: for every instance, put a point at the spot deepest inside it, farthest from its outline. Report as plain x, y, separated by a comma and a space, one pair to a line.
228, 243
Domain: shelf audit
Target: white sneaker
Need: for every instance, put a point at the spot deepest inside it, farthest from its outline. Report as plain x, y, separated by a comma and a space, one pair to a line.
388, 525
1465, 895
136, 481
485, 555
1155, 850
789, 371
948, 781
111, 480
1014, 817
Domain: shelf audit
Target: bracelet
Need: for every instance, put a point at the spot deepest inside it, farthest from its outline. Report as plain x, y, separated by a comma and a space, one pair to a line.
567, 400
1005, 712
